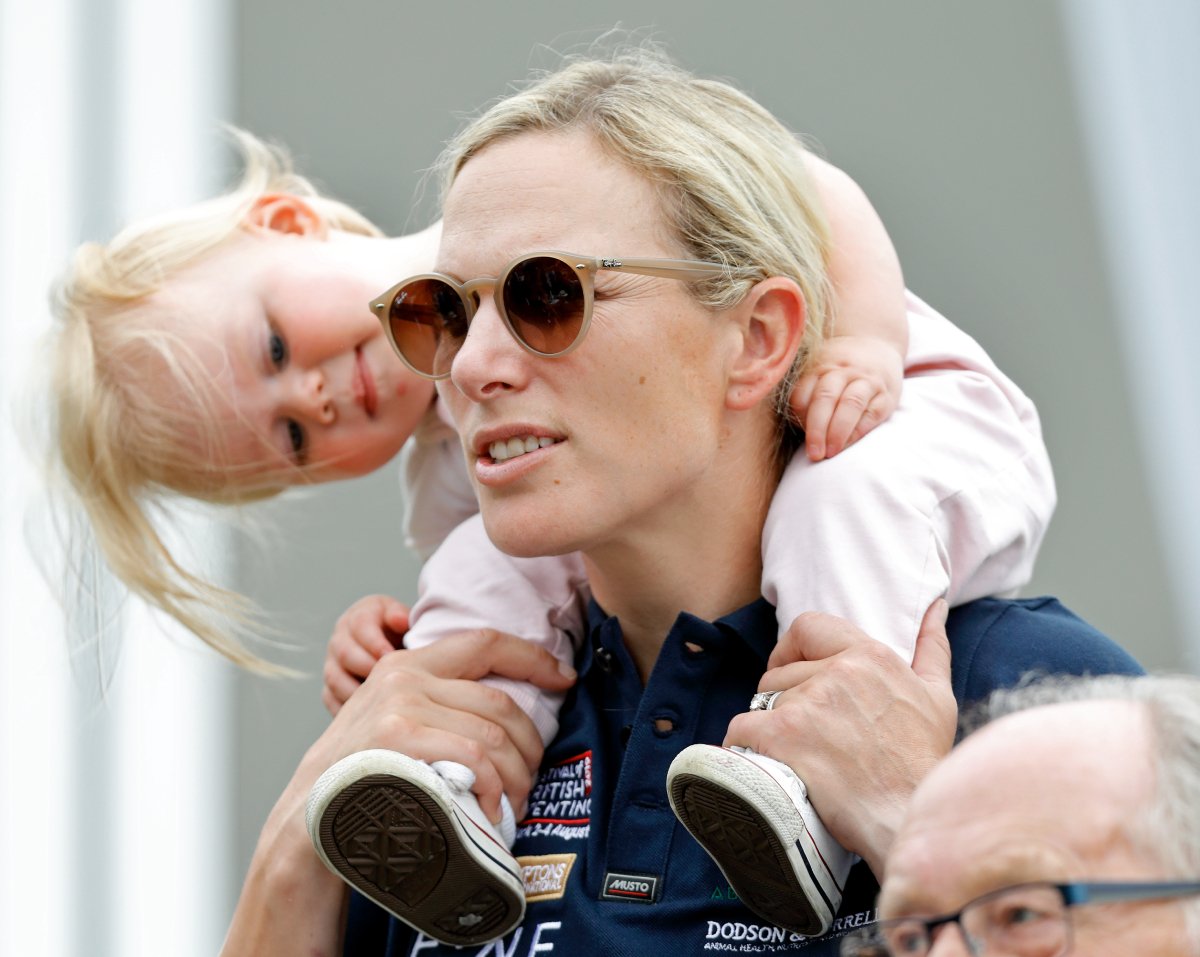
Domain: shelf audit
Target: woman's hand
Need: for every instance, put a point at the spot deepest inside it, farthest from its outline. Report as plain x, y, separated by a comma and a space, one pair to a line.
426, 703
366, 631
858, 725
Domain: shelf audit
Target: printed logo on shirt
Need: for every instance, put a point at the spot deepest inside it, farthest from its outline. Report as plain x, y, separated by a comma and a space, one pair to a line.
545, 875
526, 941
850, 921
642, 888
560, 804
740, 936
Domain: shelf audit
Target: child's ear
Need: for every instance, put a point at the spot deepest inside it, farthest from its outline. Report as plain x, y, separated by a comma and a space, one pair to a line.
771, 327
284, 213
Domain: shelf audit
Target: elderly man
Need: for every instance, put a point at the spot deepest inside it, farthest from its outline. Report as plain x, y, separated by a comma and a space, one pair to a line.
1067, 824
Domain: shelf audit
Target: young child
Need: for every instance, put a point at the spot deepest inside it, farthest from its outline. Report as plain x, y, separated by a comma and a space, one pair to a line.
226, 352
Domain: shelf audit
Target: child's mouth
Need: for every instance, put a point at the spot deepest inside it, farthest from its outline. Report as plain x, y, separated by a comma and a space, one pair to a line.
364, 384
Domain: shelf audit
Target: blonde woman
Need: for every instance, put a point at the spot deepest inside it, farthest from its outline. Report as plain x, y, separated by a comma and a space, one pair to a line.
681, 272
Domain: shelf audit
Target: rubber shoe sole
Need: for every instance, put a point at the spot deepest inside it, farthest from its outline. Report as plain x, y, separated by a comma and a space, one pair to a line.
774, 874
420, 858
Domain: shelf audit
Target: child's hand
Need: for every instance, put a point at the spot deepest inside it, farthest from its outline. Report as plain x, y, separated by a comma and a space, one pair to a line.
851, 385
367, 631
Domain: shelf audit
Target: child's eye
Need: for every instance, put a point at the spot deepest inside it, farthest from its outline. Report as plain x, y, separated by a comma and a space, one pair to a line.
277, 349
296, 439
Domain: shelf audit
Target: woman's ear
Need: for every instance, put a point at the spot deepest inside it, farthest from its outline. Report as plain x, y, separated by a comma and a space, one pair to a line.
772, 326
284, 213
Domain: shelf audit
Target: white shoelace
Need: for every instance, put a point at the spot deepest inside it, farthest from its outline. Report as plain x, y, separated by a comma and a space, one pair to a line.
460, 779
790, 775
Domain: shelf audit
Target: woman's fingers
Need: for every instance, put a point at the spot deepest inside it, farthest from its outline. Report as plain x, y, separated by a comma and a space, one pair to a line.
484, 651
429, 703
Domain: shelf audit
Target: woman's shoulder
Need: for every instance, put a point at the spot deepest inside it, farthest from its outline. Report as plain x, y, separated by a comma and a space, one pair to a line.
995, 642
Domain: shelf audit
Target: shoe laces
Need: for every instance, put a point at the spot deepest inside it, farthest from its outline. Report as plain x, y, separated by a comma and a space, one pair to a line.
460, 779
779, 767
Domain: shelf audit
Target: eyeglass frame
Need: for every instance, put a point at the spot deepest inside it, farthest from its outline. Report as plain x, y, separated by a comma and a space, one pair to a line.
585, 266
1074, 894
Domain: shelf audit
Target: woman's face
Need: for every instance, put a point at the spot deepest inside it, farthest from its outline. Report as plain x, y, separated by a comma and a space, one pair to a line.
636, 414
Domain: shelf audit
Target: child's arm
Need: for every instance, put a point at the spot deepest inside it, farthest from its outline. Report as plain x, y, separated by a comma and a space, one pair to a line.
853, 381
467, 585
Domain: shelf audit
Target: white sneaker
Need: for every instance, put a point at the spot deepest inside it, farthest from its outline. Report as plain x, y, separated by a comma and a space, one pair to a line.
752, 815
396, 830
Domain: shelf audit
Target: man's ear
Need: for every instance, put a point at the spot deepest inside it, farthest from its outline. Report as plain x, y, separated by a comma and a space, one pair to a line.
772, 326
284, 213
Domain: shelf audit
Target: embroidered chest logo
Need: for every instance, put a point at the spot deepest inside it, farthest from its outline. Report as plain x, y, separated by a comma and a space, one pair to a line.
641, 888
560, 804
545, 875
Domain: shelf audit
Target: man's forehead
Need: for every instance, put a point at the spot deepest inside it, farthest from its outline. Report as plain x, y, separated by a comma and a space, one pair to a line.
1038, 795
930, 886
1064, 746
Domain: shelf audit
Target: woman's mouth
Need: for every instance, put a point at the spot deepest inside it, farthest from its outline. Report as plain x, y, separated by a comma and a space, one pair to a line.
505, 449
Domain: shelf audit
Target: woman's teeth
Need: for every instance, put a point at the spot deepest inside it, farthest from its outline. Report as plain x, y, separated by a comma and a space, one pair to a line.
511, 448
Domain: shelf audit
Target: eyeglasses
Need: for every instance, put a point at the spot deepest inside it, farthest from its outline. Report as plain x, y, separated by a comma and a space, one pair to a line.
1027, 920
544, 298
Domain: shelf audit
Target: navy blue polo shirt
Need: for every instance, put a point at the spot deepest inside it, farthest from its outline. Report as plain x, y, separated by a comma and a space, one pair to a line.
608, 868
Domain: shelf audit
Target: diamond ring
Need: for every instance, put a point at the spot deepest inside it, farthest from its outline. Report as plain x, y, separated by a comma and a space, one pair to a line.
764, 700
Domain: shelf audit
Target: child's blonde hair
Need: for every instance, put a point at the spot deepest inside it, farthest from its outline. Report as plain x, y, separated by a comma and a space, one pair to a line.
124, 450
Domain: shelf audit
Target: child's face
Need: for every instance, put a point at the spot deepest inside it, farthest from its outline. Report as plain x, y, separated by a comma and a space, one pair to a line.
305, 378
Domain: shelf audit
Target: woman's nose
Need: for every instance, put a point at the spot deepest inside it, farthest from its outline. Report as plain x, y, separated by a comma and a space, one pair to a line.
489, 360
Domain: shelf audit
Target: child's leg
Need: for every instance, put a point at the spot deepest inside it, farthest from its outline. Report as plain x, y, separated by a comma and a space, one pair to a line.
469, 583
400, 833
951, 496
385, 822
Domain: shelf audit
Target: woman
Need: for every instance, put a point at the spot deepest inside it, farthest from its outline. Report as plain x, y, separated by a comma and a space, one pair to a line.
660, 442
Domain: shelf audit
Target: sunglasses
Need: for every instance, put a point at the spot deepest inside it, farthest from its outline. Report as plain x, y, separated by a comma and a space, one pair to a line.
544, 298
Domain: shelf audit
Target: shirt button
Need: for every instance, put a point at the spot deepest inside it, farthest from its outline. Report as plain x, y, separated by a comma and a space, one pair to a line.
606, 660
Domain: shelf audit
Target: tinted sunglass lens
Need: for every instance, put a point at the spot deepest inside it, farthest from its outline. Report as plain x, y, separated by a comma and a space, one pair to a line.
544, 299
428, 322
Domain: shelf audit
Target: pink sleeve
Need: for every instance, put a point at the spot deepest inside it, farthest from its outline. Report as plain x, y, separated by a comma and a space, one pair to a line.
951, 496
469, 583
438, 495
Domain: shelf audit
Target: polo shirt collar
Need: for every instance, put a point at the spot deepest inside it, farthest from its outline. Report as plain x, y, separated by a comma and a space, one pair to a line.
752, 624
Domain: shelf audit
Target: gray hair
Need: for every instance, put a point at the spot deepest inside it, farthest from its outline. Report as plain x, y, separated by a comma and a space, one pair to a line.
1171, 831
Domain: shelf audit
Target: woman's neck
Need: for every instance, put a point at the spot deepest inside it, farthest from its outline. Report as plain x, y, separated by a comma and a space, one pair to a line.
702, 556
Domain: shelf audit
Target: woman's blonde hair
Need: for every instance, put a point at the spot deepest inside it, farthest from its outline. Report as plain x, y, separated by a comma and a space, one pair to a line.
124, 451
731, 178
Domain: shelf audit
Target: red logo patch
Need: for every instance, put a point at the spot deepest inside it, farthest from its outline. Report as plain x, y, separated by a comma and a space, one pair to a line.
563, 793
